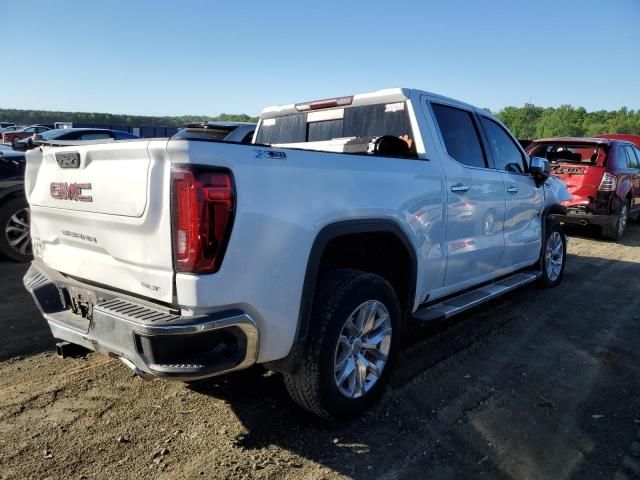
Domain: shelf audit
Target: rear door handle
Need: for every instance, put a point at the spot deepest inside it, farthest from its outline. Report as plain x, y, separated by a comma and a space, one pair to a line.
458, 187
512, 189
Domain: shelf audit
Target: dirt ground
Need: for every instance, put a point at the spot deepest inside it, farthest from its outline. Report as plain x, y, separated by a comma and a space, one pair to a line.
541, 384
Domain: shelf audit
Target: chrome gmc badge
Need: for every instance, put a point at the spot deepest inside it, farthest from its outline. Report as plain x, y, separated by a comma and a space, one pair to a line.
70, 191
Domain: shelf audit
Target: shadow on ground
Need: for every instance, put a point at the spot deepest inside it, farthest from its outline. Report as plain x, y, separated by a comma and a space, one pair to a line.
517, 388
24, 331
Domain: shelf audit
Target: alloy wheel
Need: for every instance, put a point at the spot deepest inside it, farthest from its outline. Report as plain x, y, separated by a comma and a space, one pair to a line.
17, 231
554, 256
363, 349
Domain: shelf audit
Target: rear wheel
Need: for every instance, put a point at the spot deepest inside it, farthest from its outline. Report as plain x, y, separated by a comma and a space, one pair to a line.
616, 231
554, 254
352, 341
15, 239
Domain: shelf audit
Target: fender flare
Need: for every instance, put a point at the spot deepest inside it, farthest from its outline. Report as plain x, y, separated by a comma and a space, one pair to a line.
324, 236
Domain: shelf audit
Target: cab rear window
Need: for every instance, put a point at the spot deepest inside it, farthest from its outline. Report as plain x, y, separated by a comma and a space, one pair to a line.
570, 153
359, 121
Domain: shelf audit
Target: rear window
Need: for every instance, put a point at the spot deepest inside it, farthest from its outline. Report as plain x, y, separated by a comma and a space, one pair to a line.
569, 153
217, 133
322, 125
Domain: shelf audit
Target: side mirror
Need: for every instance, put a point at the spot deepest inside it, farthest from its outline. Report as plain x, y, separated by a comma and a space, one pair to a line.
540, 169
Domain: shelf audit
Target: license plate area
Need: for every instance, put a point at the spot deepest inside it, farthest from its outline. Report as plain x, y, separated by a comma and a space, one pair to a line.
80, 301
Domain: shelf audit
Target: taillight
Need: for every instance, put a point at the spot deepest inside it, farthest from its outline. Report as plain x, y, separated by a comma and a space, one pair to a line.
203, 208
608, 183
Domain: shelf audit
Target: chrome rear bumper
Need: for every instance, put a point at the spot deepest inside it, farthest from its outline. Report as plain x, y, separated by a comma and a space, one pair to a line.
150, 339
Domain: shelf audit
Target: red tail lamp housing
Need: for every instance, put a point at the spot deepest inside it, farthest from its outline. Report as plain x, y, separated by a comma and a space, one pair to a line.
203, 208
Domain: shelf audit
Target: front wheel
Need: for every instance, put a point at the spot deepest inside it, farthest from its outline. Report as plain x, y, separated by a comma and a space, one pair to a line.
554, 254
353, 337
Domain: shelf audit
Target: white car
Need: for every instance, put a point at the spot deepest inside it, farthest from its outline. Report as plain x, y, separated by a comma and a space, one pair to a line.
308, 252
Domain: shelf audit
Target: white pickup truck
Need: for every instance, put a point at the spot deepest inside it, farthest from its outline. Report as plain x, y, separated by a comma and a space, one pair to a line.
308, 251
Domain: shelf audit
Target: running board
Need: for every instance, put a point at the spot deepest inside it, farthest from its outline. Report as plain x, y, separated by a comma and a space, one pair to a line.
454, 305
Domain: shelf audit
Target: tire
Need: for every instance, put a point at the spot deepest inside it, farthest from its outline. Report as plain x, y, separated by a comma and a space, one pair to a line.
616, 231
14, 225
314, 385
553, 256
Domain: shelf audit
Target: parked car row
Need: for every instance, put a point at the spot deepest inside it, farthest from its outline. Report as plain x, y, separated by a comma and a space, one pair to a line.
71, 134
12, 136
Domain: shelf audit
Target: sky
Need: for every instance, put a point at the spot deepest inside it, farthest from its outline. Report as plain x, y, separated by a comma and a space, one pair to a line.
193, 57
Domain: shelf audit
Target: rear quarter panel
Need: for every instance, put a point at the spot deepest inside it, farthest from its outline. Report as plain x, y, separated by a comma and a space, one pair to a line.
282, 204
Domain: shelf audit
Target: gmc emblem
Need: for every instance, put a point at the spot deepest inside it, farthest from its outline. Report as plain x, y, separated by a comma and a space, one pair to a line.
70, 191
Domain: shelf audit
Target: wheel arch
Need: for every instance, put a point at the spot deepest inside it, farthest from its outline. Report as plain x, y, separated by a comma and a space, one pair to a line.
329, 233
8, 193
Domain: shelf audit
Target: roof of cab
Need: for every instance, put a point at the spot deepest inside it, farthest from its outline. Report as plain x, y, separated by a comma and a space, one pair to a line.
387, 95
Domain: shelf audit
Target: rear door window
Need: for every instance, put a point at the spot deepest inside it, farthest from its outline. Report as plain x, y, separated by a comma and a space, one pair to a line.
506, 154
632, 161
637, 152
460, 135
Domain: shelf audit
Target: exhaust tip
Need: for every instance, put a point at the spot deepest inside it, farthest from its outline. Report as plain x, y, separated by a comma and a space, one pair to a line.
583, 222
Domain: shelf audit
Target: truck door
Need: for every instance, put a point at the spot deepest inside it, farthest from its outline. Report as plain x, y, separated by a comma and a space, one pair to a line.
524, 199
475, 203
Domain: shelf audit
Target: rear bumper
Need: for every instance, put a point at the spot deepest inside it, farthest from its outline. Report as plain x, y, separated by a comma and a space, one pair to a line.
579, 218
151, 340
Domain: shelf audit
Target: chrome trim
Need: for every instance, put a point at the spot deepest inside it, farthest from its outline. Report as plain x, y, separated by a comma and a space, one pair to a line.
114, 334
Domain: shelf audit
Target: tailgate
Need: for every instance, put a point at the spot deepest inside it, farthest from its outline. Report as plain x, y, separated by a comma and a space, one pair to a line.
582, 180
100, 213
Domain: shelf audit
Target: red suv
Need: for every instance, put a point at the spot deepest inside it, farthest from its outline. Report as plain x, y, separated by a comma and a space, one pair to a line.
602, 175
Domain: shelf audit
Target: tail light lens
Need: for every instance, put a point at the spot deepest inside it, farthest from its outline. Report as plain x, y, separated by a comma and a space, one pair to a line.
608, 183
203, 209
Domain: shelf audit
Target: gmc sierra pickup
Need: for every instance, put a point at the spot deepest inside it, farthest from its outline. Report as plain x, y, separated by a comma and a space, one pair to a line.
308, 251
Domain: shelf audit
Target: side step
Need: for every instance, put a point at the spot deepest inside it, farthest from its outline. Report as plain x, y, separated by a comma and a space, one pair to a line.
458, 304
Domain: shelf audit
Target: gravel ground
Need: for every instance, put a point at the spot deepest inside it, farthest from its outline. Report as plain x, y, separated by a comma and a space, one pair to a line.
541, 384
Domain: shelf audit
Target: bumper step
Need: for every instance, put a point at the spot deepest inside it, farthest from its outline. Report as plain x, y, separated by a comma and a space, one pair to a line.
472, 298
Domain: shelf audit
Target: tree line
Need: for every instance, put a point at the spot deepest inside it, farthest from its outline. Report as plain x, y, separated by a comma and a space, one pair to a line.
531, 122
30, 117
527, 122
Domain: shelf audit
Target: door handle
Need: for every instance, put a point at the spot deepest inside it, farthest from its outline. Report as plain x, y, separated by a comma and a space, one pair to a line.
512, 189
458, 188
